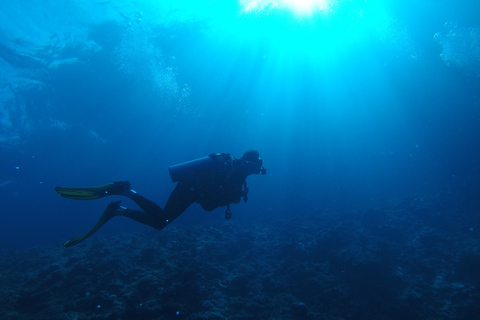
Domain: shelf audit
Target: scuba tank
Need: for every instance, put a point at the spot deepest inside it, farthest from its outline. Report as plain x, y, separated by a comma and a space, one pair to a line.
190, 169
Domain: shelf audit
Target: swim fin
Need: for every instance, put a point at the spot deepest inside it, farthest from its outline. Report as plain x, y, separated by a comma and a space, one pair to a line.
90, 193
110, 212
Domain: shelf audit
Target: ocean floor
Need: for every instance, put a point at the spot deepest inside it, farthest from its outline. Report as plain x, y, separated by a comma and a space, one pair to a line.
414, 259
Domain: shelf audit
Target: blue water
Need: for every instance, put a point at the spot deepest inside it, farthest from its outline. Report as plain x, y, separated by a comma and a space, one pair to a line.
350, 106
366, 114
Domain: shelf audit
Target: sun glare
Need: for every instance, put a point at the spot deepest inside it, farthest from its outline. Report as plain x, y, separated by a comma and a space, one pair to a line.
305, 7
298, 7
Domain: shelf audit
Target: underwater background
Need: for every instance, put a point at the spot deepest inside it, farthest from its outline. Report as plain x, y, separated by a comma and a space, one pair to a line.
366, 114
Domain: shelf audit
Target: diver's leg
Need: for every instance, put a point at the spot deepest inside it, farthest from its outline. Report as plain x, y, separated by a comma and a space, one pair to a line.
149, 215
178, 201
146, 205
152, 215
114, 209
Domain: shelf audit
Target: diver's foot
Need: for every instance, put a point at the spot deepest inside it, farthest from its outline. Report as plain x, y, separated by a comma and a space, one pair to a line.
118, 188
113, 209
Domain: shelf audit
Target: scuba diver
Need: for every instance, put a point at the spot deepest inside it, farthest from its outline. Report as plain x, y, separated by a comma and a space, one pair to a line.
213, 181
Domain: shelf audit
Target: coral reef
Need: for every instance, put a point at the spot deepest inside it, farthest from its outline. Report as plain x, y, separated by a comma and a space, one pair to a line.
414, 259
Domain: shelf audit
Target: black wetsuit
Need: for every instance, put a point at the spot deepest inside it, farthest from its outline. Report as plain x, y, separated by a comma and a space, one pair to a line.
218, 187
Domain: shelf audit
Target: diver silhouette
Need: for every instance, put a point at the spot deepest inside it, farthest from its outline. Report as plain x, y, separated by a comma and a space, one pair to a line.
213, 181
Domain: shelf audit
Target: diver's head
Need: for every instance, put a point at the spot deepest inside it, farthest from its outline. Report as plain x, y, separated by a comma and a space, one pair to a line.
253, 162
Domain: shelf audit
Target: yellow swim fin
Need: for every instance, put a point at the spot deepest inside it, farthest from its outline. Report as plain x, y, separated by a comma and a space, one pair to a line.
90, 193
109, 213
